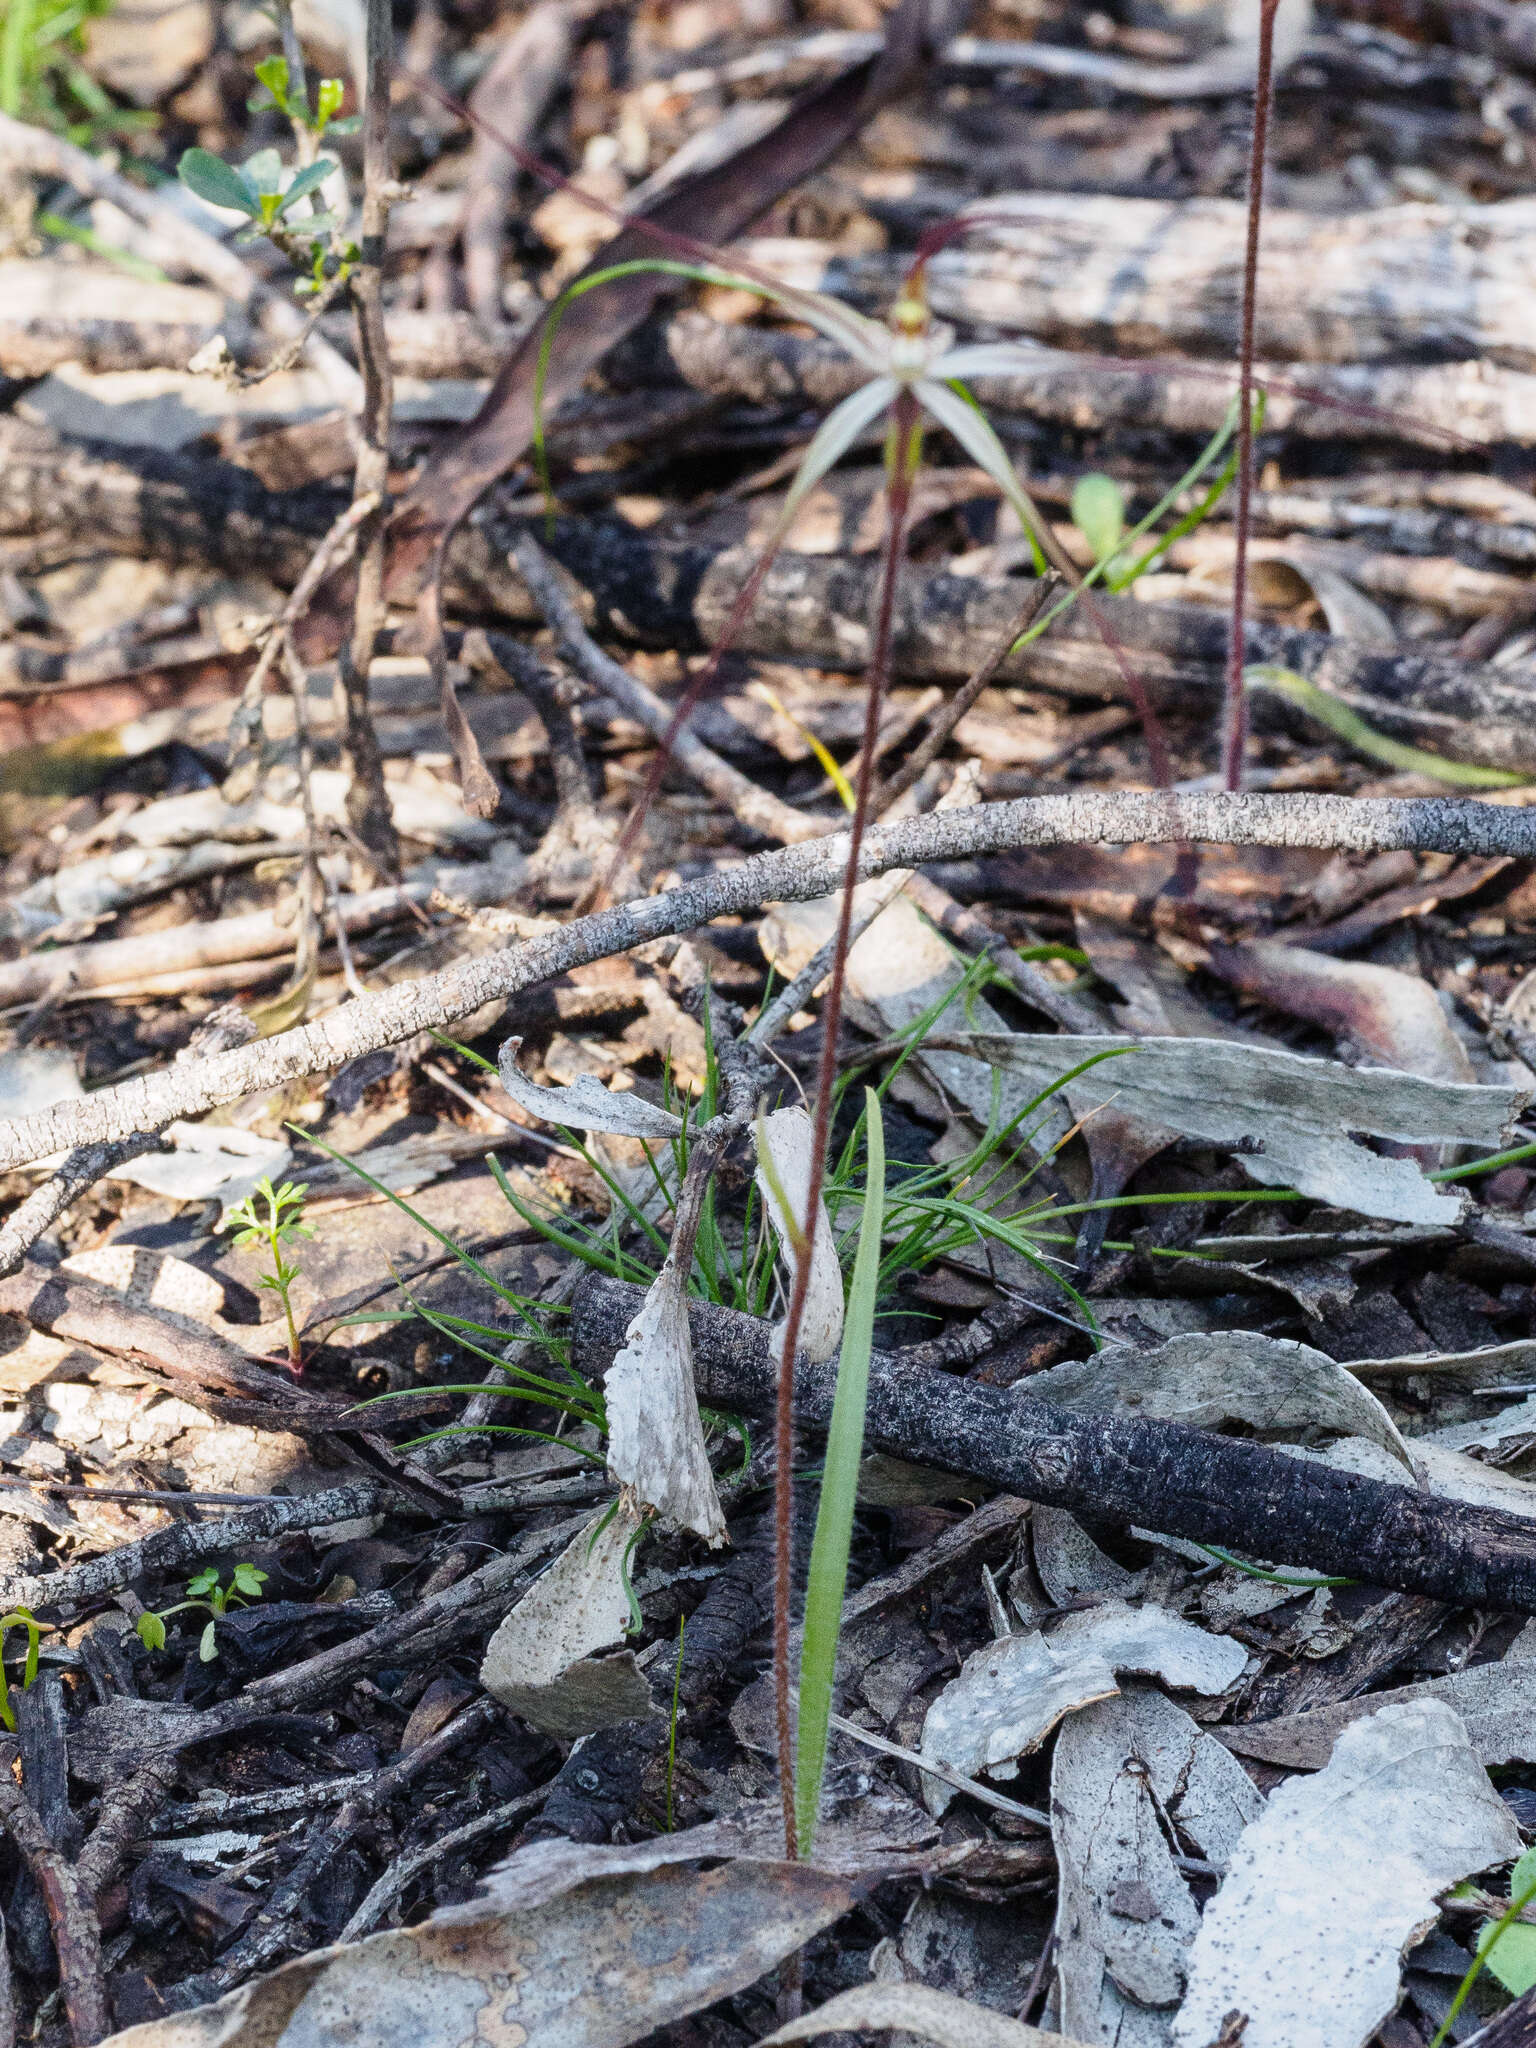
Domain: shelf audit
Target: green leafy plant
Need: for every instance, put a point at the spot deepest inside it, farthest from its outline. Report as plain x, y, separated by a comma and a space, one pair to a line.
206, 1592
42, 79
1506, 1946
270, 1219
839, 1494
19, 1617
270, 195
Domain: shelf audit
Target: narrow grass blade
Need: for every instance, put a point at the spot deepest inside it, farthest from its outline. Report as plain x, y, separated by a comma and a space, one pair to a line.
839, 1492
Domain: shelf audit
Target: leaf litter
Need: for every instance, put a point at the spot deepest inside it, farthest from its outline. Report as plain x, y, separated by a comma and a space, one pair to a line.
483, 1705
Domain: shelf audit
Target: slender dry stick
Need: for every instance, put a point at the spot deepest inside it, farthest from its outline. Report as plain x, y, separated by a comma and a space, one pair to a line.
367, 804
904, 448
1236, 708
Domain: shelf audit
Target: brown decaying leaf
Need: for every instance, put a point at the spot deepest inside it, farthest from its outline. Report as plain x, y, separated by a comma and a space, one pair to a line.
1378, 1011
569, 1945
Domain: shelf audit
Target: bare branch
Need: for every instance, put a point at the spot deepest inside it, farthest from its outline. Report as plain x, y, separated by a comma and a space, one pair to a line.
793, 874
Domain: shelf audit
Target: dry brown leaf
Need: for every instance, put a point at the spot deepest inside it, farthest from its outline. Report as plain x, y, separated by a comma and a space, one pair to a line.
1379, 1012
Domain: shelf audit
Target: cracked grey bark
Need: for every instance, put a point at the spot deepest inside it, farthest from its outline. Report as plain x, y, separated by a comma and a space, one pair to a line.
795, 874
1137, 1472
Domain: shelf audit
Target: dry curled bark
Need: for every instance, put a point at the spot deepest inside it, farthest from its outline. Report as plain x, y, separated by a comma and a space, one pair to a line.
796, 874
1138, 1472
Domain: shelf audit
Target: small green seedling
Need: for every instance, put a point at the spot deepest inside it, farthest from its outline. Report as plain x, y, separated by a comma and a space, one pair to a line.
19, 1617
204, 1591
269, 196
268, 1219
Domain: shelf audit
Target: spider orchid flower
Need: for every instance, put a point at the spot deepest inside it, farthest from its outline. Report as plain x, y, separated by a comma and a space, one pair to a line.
915, 355
909, 354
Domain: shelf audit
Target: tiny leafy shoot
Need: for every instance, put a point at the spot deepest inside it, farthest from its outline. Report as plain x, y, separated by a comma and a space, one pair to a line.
271, 1220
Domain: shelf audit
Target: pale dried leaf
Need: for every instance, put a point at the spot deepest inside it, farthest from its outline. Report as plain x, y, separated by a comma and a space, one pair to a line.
787, 1135
1275, 1387
1153, 1642
1005, 1701
655, 1436
1337, 1877
1489, 1365
537, 1661
1301, 1109
1069, 1564
918, 2010
580, 1948
585, 1104
208, 1161
1125, 1918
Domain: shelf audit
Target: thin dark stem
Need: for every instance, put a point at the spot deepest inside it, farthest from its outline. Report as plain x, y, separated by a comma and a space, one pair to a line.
1236, 713
904, 440
367, 804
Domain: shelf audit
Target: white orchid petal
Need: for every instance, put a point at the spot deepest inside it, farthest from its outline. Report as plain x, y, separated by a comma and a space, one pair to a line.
989, 359
834, 437
980, 442
867, 341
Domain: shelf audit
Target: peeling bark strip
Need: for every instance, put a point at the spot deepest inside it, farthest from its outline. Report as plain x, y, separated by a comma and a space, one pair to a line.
1142, 1473
796, 874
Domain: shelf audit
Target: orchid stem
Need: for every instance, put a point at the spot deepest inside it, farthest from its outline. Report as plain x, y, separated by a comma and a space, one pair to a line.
1236, 707
904, 441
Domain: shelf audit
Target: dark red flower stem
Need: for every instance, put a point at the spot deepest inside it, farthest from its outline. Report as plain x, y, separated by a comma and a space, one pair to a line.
899, 504
1236, 710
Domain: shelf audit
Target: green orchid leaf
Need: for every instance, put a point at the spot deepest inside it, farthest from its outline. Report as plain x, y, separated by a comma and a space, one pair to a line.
1510, 1955
1098, 513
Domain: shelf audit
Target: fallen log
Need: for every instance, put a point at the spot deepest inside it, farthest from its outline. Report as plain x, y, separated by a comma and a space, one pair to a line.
1137, 1472
1432, 283
1428, 404
811, 608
